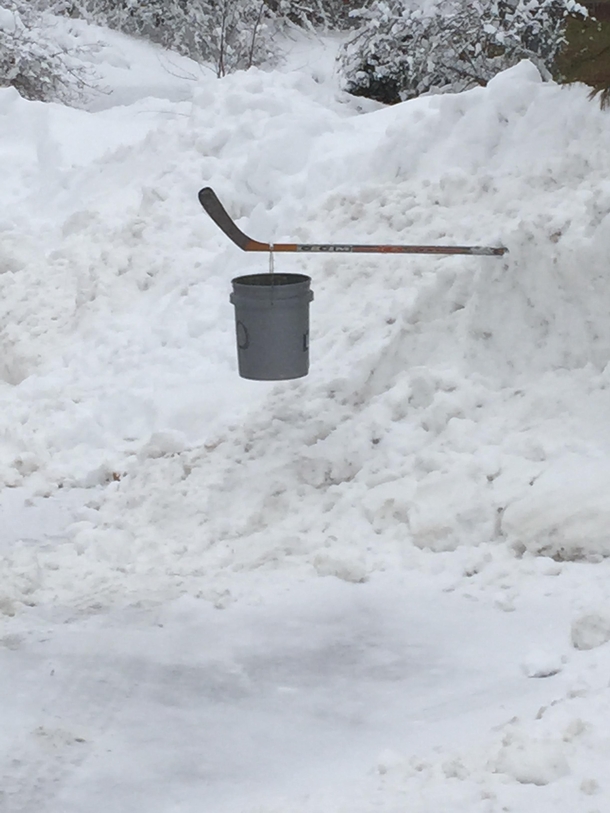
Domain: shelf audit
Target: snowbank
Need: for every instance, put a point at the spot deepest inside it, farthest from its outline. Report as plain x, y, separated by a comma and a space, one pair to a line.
444, 392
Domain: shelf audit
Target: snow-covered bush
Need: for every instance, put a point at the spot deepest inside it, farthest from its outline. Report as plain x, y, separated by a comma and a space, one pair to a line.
33, 57
401, 51
231, 34
329, 14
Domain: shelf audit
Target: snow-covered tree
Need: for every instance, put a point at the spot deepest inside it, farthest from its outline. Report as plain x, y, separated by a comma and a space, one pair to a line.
228, 33
35, 57
231, 34
402, 51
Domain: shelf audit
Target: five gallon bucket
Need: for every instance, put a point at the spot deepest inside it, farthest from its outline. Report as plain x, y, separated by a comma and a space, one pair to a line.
272, 325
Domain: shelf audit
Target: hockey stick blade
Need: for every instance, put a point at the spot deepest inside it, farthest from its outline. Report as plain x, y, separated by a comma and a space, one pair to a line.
209, 200
215, 209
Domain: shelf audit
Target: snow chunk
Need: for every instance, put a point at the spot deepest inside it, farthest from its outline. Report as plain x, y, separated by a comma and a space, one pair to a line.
542, 664
8, 22
164, 443
590, 630
522, 73
566, 513
531, 761
348, 569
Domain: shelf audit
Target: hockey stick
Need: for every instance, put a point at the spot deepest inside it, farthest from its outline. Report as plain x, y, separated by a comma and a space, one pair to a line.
215, 209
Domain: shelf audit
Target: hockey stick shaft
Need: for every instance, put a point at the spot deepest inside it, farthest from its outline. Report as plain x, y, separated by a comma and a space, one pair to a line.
215, 209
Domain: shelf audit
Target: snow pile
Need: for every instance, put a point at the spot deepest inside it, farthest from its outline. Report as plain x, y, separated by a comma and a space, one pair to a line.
444, 408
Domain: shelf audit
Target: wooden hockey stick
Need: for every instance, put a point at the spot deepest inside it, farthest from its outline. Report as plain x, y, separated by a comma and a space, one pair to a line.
215, 209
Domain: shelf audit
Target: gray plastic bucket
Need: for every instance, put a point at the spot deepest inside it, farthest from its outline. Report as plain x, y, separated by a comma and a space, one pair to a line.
272, 325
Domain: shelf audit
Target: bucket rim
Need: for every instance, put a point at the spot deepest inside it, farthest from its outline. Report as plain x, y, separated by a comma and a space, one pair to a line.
266, 280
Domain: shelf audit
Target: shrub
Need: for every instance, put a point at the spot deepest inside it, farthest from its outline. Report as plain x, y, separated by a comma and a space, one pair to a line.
231, 34
400, 52
34, 58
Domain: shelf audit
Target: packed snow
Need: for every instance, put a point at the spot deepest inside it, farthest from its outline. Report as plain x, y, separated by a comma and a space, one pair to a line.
382, 587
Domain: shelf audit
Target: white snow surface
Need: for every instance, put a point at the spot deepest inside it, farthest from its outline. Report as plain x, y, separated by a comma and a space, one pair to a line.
382, 587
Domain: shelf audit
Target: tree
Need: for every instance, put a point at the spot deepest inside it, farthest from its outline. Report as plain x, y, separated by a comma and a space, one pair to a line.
400, 51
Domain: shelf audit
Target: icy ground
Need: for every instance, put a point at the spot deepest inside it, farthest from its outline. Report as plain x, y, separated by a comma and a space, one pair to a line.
384, 587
